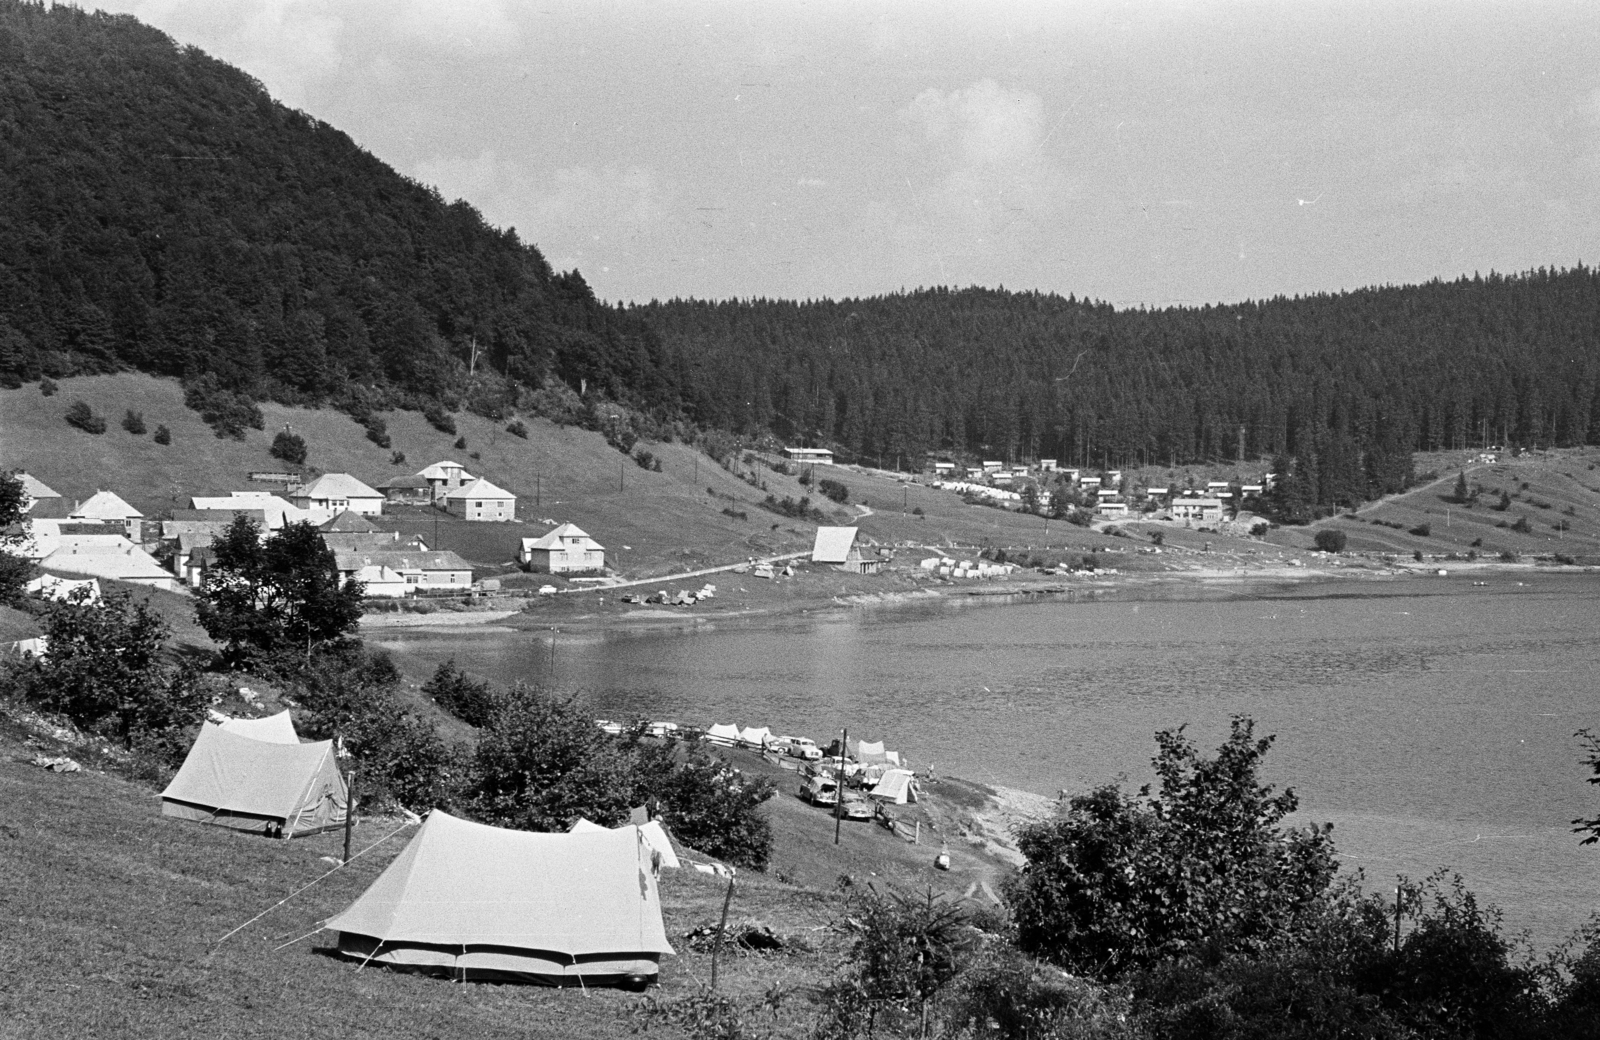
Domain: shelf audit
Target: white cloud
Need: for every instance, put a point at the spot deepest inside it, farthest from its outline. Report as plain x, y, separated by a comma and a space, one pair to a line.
474, 25
289, 45
983, 125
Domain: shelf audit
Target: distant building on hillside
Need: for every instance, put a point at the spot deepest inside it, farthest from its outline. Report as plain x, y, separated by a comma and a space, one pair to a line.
1199, 510
412, 490
444, 477
481, 500
337, 492
564, 550
425, 570
810, 456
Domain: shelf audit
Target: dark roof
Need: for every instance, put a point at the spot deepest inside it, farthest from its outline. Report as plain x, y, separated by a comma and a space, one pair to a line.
411, 483
51, 509
348, 522
224, 515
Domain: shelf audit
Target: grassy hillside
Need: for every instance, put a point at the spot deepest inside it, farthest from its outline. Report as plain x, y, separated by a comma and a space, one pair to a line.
650, 522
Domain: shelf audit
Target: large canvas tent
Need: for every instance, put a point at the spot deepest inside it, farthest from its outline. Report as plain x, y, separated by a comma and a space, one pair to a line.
469, 901
723, 733
280, 789
872, 753
652, 832
896, 787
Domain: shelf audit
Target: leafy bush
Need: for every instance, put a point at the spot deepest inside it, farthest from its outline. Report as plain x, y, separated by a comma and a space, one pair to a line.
438, 418
397, 458
377, 431
801, 510
737, 514
133, 422
461, 443
162, 435
105, 672
1422, 530
647, 460
917, 511
517, 428
79, 414
226, 412
1522, 526
1330, 540
290, 447
833, 490
712, 807
48, 388
1119, 882
470, 700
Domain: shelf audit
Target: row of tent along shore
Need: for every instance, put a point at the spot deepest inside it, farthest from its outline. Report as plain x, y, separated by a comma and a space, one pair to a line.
462, 899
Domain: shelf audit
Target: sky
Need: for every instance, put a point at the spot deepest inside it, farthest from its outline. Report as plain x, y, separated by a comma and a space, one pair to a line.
1138, 153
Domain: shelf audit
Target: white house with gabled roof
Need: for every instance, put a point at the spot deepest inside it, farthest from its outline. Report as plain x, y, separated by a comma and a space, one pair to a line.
107, 507
481, 500
567, 549
338, 492
444, 477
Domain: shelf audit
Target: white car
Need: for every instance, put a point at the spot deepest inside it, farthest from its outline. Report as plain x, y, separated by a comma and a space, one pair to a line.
607, 726
804, 748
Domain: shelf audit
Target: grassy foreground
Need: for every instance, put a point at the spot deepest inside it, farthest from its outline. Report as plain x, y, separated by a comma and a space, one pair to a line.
112, 915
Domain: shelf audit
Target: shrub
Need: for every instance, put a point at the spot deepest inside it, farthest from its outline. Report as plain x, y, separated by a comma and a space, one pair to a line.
646, 460
518, 428
397, 458
79, 414
461, 443
469, 700
1477, 543
737, 514
438, 418
290, 447
1522, 526
1417, 555
162, 435
1422, 530
377, 431
133, 422
833, 490
1331, 540
917, 511
226, 412
1507, 556
48, 388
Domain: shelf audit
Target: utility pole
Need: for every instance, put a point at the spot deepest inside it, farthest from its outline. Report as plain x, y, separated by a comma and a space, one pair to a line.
620, 471
536, 490
838, 786
349, 811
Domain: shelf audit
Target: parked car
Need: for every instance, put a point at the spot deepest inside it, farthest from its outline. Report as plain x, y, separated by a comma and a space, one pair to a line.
607, 726
804, 748
856, 807
820, 790
780, 745
661, 729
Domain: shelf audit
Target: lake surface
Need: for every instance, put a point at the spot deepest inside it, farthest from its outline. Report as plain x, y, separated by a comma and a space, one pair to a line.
1431, 721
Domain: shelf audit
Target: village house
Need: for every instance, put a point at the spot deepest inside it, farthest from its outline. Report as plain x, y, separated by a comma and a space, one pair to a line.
414, 490
337, 492
564, 550
107, 507
1047, 465
944, 469
105, 556
810, 456
376, 541
837, 546
1199, 510
481, 500
1111, 509
36, 489
444, 477
275, 511
422, 570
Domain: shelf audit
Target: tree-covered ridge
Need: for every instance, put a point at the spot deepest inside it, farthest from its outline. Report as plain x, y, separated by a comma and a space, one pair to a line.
164, 213
1347, 383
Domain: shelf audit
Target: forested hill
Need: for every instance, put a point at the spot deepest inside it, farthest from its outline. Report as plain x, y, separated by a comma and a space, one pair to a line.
1348, 383
162, 212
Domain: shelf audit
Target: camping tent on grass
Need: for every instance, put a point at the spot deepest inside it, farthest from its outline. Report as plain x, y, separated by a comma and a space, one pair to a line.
469, 901
653, 833
282, 790
726, 734
873, 754
755, 737
274, 729
895, 788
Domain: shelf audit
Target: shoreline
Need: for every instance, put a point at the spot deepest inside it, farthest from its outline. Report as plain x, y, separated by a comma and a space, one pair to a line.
575, 615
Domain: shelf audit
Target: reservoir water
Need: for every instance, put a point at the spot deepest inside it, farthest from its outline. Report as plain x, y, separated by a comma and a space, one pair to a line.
1430, 720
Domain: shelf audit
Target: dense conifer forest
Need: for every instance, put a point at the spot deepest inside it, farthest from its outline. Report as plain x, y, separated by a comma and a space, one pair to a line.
163, 213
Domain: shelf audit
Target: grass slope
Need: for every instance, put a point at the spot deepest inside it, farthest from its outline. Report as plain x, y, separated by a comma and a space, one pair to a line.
651, 523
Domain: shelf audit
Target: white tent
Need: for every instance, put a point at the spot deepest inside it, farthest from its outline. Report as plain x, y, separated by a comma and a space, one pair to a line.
754, 737
833, 544
873, 754
653, 833
274, 729
896, 787
276, 788
469, 901
727, 735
